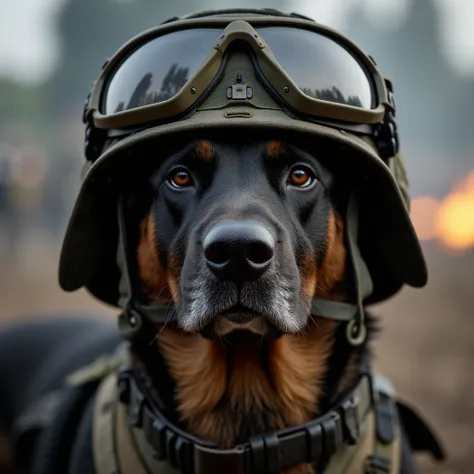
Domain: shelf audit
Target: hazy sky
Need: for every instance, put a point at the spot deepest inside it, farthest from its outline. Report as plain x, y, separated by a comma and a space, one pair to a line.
29, 46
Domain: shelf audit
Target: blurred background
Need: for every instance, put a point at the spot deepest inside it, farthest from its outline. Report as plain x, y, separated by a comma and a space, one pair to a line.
51, 51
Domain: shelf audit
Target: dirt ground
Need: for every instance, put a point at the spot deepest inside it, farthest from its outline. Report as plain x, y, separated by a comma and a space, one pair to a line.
426, 348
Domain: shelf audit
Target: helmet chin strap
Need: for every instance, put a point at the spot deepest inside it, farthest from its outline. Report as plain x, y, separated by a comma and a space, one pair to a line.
354, 314
136, 319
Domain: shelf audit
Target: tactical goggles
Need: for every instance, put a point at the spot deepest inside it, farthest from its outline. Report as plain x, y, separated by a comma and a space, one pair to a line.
313, 71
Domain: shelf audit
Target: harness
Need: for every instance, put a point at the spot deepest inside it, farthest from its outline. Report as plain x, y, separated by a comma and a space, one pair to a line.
361, 434
131, 434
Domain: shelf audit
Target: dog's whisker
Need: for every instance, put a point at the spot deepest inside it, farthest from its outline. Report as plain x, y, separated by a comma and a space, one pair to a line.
323, 290
169, 317
223, 342
155, 338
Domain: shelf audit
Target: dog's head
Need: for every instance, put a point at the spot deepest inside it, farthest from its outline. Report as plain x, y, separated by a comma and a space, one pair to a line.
240, 237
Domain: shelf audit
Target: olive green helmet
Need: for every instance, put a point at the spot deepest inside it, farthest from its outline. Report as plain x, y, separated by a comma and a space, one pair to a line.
238, 70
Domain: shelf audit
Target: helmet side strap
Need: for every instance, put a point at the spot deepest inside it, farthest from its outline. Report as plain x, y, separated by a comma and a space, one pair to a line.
130, 322
137, 322
356, 329
340, 310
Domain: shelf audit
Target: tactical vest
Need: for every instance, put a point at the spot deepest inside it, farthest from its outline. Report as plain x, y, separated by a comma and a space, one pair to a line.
362, 434
121, 445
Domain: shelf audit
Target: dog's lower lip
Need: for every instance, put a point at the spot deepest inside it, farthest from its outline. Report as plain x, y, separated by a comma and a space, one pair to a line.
272, 331
239, 308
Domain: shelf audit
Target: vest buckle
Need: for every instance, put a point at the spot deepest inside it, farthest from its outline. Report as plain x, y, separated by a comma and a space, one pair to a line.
377, 464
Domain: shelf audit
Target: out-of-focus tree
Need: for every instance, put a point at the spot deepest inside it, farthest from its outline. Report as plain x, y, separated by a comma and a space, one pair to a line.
92, 30
20, 102
434, 103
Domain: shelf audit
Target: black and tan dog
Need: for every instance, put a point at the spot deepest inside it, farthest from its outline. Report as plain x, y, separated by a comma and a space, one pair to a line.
240, 238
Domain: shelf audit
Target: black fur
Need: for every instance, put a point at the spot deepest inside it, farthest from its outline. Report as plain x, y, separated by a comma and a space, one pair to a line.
239, 181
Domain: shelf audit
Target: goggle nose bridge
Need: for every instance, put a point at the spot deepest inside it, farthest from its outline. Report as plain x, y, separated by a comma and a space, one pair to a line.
239, 30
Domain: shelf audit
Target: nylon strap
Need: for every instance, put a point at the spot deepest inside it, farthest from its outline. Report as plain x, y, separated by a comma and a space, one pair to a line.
131, 320
324, 436
352, 459
115, 448
152, 465
390, 453
103, 427
385, 457
129, 460
343, 311
356, 330
338, 310
125, 286
119, 448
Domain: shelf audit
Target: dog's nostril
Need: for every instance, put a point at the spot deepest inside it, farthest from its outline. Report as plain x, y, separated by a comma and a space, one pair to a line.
239, 250
260, 252
217, 252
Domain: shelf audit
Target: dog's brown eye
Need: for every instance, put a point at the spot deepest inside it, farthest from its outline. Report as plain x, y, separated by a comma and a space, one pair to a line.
180, 179
300, 177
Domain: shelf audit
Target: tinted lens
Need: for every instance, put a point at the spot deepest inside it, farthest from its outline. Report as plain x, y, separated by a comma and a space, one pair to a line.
319, 66
157, 70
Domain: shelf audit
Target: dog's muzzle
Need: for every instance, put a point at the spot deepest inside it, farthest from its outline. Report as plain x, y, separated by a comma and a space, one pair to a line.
239, 251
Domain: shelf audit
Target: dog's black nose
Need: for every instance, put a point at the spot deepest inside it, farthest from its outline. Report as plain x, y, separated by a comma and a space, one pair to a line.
239, 250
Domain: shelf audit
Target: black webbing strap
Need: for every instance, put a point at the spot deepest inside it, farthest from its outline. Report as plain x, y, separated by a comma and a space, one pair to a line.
136, 320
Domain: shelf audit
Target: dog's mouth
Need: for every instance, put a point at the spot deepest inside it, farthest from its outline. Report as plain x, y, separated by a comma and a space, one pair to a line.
240, 318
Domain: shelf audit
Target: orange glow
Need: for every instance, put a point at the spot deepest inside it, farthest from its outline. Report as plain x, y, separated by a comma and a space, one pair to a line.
423, 215
451, 220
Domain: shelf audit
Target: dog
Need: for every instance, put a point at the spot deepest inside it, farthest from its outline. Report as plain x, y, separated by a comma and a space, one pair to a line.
240, 237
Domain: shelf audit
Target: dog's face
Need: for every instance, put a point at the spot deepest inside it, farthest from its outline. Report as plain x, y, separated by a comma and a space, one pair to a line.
238, 237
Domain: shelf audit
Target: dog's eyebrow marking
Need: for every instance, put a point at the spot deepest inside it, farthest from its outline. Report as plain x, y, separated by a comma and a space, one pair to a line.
275, 149
204, 150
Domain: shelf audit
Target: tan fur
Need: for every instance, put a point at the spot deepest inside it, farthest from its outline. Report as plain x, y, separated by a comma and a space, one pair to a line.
192, 361
296, 365
308, 276
323, 282
275, 149
292, 385
332, 270
158, 284
205, 150
213, 382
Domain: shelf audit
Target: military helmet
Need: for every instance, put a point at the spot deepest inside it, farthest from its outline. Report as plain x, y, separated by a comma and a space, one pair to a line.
244, 69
